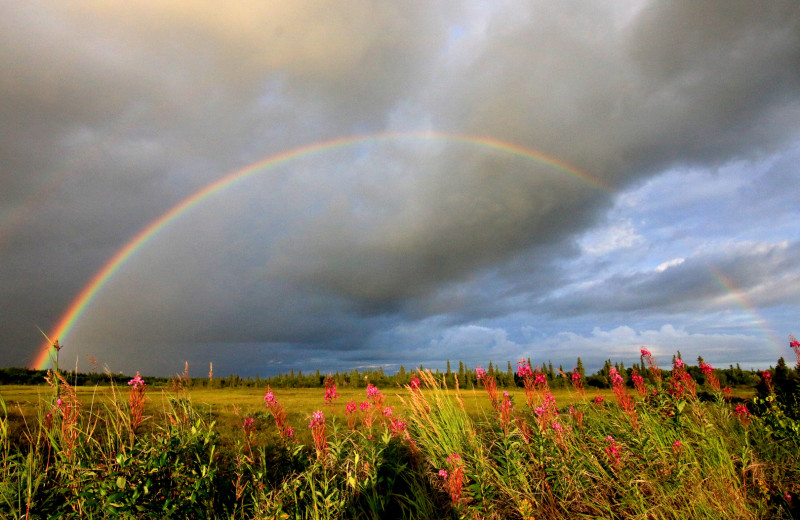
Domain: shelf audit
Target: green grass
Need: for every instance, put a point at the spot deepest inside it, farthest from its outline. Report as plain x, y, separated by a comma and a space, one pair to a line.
441, 453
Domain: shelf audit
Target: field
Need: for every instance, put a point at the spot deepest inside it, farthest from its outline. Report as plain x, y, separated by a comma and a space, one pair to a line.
655, 445
219, 403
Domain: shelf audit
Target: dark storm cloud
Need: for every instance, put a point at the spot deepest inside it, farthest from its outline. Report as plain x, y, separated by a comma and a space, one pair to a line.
112, 114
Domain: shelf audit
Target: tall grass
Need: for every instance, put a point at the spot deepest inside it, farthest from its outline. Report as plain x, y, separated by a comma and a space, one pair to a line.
662, 449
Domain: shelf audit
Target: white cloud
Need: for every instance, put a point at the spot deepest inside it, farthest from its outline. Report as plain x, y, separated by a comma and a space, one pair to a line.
620, 235
669, 263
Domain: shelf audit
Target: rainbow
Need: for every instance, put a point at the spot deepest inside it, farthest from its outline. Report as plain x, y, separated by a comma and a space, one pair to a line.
96, 283
749, 307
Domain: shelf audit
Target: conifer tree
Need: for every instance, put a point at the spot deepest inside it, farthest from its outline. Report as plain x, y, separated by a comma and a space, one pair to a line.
580, 368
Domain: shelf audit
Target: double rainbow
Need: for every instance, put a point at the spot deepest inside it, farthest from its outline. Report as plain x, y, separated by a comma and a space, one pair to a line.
79, 304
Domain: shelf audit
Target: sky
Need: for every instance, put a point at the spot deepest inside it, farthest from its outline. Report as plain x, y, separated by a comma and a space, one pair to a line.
317, 185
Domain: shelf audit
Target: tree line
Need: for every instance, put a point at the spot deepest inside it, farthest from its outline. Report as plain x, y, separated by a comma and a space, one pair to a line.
465, 376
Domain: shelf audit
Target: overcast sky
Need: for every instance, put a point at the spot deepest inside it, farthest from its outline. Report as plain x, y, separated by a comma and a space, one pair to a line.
673, 220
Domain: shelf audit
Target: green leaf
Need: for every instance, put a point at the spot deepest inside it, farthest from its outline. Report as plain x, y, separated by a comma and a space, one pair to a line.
121, 482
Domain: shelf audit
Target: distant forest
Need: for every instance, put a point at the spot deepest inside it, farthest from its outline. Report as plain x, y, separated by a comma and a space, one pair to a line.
505, 376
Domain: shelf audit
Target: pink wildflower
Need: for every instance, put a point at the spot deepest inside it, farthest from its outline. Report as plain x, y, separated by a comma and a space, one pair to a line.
727, 392
489, 384
524, 369
767, 378
455, 478
505, 412
652, 366
330, 390
317, 418
795, 345
616, 378
577, 381
317, 426
375, 396
743, 414
350, 412
136, 399
136, 381
248, 427
277, 411
638, 382
612, 450
372, 391
526, 373
397, 427
681, 381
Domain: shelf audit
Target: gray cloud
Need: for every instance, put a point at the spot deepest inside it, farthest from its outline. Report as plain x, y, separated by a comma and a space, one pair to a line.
114, 114
746, 270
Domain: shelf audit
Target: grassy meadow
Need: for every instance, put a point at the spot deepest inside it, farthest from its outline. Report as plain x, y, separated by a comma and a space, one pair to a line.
657, 445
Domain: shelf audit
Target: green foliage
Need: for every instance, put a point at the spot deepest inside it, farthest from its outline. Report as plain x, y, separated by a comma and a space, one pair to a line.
682, 449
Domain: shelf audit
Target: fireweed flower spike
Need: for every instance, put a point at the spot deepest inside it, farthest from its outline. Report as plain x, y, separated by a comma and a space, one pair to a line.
623, 399
375, 396
454, 478
505, 412
638, 382
279, 414
317, 426
681, 382
330, 390
368, 410
612, 451
795, 345
652, 366
767, 378
525, 372
249, 428
136, 398
577, 382
711, 379
743, 413
677, 446
350, 411
489, 384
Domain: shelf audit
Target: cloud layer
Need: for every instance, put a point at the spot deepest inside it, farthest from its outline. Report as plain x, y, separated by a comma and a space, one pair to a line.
400, 250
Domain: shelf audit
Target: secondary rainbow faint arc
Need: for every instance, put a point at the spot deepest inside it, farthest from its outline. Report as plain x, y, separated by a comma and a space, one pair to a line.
748, 306
79, 304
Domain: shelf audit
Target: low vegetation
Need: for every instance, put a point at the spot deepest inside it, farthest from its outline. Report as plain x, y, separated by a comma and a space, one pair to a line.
655, 444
